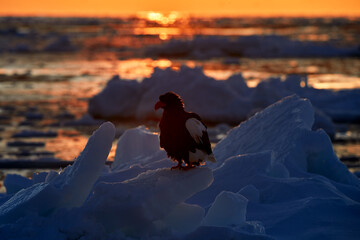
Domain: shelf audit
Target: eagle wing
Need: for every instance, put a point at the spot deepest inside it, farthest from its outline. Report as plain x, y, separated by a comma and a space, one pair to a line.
198, 132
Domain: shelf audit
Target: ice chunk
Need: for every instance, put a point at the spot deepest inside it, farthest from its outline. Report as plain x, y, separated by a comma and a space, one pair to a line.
228, 101
60, 44
76, 181
317, 217
138, 145
14, 183
134, 205
276, 173
236, 173
184, 218
118, 99
215, 233
68, 189
123, 174
278, 170
267, 130
237, 82
39, 199
324, 122
285, 128
124, 98
185, 82
39, 177
321, 158
250, 192
228, 209
163, 163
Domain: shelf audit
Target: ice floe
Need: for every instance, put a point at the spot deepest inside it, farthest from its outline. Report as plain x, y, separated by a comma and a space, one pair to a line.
275, 178
230, 101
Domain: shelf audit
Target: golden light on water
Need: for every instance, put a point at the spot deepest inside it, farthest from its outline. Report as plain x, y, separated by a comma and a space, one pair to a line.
164, 20
163, 36
140, 68
162, 63
334, 81
67, 147
160, 31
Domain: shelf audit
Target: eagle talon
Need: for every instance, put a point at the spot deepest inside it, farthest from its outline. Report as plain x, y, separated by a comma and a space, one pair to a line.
179, 166
188, 167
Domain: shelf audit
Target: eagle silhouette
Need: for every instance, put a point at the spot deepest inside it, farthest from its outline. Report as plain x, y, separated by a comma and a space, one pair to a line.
182, 134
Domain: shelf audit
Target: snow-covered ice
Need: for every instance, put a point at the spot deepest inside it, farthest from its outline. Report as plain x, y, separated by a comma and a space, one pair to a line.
276, 178
230, 101
136, 206
126, 98
119, 98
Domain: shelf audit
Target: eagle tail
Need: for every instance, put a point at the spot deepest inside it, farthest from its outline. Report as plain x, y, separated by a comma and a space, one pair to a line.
212, 158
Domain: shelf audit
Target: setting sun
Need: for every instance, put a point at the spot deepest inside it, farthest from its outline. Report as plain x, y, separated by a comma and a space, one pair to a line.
160, 18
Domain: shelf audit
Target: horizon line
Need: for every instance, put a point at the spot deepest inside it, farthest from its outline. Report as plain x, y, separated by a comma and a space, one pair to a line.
183, 13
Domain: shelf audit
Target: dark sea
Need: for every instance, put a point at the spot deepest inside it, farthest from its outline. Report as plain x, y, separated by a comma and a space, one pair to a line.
51, 67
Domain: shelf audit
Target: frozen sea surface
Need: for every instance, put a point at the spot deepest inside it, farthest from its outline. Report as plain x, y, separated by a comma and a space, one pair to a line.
276, 178
51, 67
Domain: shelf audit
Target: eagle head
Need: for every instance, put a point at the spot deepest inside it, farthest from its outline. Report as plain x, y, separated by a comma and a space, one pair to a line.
169, 100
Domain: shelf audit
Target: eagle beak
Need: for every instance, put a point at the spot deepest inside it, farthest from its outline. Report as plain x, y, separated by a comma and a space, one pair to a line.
159, 104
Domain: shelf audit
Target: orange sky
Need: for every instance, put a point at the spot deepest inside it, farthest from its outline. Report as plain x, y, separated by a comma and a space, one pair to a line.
214, 7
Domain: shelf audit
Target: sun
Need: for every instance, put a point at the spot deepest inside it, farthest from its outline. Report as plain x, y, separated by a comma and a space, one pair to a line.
161, 18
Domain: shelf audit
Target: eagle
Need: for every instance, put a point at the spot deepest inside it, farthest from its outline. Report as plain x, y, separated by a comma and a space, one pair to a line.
182, 134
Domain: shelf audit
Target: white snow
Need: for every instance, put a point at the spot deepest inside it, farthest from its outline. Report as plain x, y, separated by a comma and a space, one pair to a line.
275, 178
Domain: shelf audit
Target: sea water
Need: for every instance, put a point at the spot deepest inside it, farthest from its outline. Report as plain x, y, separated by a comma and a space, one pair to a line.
51, 67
